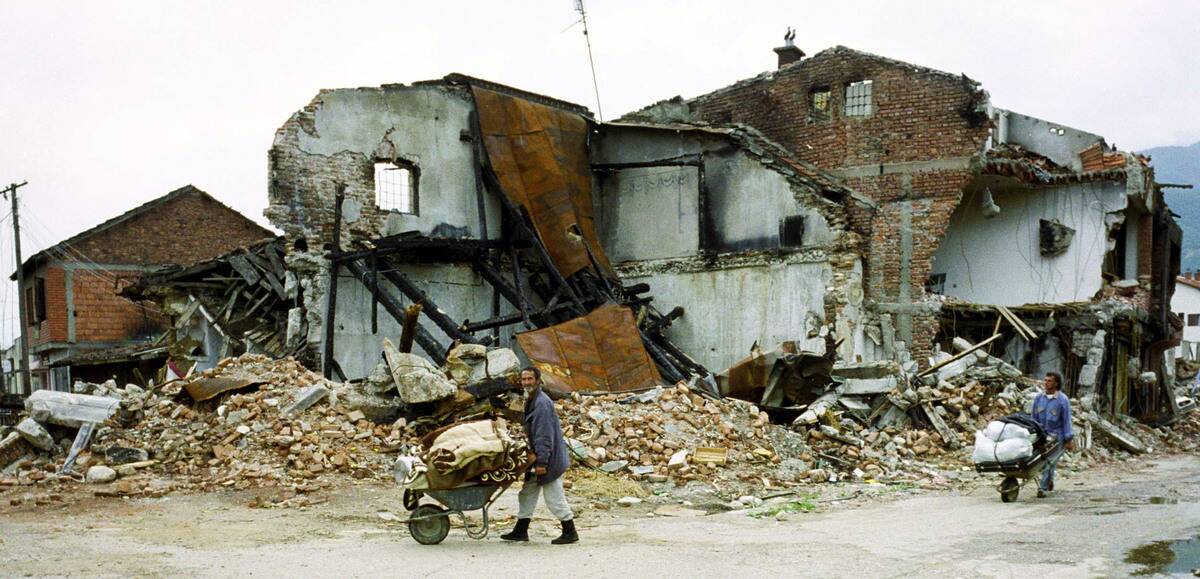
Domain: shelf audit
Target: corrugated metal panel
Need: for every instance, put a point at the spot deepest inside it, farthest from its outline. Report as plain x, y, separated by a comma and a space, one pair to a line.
601, 351
540, 155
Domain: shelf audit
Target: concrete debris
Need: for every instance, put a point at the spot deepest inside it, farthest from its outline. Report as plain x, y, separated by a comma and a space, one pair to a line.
306, 398
66, 409
418, 379
100, 475
35, 434
472, 363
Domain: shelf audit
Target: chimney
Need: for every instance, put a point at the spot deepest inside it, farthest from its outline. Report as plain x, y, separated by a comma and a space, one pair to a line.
789, 53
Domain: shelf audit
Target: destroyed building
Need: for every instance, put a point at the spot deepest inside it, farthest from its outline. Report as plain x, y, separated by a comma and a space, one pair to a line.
79, 326
732, 239
977, 208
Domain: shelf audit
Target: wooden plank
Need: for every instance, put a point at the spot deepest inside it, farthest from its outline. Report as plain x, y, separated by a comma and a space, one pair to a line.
940, 426
277, 266
1016, 322
958, 356
244, 269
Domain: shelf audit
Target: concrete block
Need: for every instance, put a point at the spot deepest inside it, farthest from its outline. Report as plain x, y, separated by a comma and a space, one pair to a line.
35, 434
66, 409
860, 387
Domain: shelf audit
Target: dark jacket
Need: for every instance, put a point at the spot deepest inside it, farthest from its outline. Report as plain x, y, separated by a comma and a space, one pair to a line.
545, 436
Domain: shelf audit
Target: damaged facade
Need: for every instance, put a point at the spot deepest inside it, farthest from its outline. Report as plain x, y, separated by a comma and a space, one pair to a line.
686, 218
79, 326
851, 204
979, 207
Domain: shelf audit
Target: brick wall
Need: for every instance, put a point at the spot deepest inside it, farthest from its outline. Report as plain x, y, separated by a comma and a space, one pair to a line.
919, 115
103, 316
189, 228
54, 327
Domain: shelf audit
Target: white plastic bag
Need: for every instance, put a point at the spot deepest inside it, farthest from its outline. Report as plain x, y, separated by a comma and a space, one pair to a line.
985, 449
998, 431
1013, 449
1004, 451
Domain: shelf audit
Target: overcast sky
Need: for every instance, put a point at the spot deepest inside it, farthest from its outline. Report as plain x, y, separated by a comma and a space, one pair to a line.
106, 105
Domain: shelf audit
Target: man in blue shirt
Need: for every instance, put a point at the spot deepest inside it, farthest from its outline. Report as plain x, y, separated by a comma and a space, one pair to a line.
1052, 410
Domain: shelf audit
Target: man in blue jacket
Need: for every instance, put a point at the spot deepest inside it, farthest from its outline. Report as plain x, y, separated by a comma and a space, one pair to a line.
1052, 409
548, 449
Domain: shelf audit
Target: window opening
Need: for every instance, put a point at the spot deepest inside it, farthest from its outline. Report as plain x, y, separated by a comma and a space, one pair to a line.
858, 99
396, 187
818, 104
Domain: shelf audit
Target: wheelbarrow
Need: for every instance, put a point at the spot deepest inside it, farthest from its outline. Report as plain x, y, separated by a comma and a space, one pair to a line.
429, 523
1016, 473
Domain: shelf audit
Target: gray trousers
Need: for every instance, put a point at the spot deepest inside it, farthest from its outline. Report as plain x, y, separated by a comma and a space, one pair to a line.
556, 499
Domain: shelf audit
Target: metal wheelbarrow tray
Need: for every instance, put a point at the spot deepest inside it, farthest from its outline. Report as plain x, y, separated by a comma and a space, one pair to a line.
1016, 471
429, 523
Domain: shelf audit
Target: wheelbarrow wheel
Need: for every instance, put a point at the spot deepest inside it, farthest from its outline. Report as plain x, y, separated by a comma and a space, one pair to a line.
429, 524
1009, 489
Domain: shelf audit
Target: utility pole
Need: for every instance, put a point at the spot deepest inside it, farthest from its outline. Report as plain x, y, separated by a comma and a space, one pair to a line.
26, 383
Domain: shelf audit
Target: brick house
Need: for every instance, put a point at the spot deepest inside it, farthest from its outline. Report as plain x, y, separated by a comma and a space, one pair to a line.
966, 195
78, 326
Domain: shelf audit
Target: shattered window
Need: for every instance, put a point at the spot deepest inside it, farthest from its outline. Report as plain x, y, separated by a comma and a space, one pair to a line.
818, 101
858, 99
936, 283
396, 188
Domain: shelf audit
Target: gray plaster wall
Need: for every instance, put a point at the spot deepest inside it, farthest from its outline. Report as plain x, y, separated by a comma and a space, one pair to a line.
1042, 137
420, 124
456, 288
728, 310
998, 261
654, 212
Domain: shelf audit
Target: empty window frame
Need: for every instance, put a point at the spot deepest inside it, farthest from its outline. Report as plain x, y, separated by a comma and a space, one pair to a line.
936, 283
858, 99
1193, 319
396, 187
791, 231
819, 103
35, 301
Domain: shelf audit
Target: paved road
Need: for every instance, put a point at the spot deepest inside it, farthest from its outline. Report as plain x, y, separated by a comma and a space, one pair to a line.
1084, 531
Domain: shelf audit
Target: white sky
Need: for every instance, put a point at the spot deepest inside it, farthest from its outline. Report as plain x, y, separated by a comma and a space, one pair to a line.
106, 105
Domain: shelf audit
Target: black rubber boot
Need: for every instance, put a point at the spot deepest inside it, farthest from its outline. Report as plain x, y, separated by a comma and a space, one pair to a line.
519, 532
568, 534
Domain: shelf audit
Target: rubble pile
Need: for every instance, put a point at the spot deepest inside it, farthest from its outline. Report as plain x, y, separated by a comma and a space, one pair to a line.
674, 434
273, 435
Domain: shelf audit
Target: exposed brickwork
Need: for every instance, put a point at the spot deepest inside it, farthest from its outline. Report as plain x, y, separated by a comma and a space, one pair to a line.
190, 228
54, 327
185, 227
918, 115
1145, 244
103, 316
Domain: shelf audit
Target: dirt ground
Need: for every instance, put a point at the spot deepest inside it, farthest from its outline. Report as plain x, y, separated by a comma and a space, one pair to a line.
1086, 529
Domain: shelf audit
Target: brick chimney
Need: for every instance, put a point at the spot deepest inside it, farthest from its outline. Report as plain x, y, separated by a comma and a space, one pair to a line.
789, 52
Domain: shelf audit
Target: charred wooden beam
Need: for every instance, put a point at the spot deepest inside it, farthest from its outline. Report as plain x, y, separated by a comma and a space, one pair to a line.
393, 307
331, 303
680, 161
415, 295
509, 319
408, 328
489, 274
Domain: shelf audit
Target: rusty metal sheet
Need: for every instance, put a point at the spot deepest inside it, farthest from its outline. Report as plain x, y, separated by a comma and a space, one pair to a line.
540, 155
205, 388
601, 351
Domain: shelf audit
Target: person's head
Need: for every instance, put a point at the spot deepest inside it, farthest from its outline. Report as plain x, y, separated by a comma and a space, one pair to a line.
1052, 382
531, 378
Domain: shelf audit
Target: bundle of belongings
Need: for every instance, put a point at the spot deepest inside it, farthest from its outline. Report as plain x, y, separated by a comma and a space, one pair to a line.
1009, 439
480, 451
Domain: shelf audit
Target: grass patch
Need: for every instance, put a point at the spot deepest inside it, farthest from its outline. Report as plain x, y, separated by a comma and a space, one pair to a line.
804, 504
594, 484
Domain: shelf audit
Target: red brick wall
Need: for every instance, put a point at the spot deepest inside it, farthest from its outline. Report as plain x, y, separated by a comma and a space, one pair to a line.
1145, 244
918, 115
191, 228
103, 316
186, 229
54, 327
